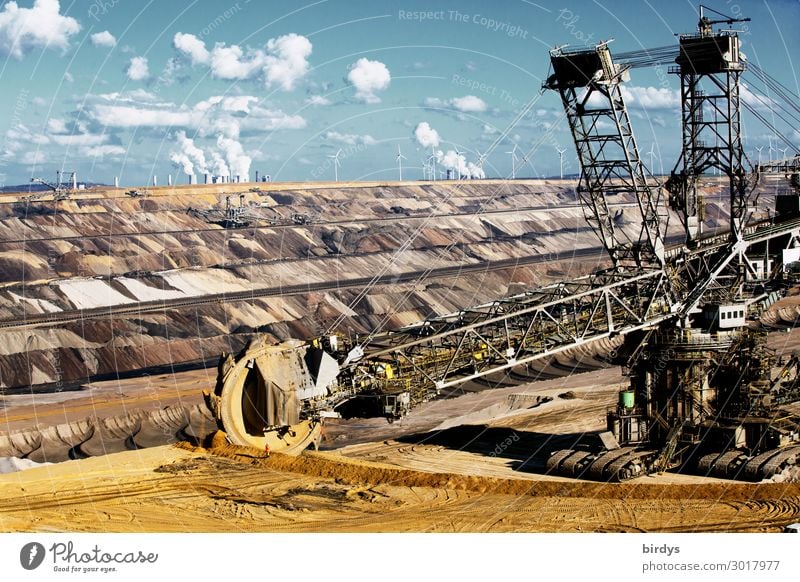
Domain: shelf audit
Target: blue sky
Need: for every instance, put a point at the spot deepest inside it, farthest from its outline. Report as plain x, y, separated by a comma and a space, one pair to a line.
131, 89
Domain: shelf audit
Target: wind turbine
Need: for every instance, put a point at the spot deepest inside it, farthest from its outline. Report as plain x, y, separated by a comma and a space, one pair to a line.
481, 159
652, 154
400, 158
336, 164
771, 157
759, 149
513, 153
561, 160
433, 162
784, 150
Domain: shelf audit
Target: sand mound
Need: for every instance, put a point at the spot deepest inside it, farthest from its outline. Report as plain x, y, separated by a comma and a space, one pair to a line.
354, 472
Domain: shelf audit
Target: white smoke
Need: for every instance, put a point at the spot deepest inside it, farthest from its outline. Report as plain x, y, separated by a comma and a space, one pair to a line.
457, 163
218, 165
227, 159
426, 136
188, 156
238, 161
475, 171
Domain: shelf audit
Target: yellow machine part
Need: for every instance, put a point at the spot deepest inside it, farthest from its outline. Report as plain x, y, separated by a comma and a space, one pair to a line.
258, 388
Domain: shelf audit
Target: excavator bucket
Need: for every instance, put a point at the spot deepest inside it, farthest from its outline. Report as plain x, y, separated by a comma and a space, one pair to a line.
259, 394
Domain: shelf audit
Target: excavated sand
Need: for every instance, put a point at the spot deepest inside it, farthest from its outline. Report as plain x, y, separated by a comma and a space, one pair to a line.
229, 489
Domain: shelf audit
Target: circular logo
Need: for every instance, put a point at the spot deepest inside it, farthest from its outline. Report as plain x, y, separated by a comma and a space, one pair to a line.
31, 555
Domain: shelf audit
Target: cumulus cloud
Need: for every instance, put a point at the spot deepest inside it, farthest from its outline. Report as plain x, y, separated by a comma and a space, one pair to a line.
42, 26
367, 78
138, 69
287, 60
104, 39
651, 97
193, 47
231, 64
466, 104
426, 136
282, 63
350, 138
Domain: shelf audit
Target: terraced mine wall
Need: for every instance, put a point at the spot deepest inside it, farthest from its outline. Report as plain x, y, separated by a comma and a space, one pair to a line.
104, 284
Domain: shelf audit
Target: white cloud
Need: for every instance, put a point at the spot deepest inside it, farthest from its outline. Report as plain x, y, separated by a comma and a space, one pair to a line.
282, 63
318, 100
104, 39
350, 138
217, 114
193, 47
42, 26
651, 97
367, 78
39, 102
231, 64
88, 144
125, 116
55, 125
287, 61
68, 77
466, 104
79, 139
138, 69
426, 136
135, 96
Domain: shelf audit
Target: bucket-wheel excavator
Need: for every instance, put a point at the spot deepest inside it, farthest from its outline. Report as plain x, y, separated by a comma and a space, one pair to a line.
705, 394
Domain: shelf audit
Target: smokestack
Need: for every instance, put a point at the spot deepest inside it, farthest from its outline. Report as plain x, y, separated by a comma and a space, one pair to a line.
206, 181
191, 178
116, 181
155, 180
238, 178
169, 179
74, 180
256, 175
